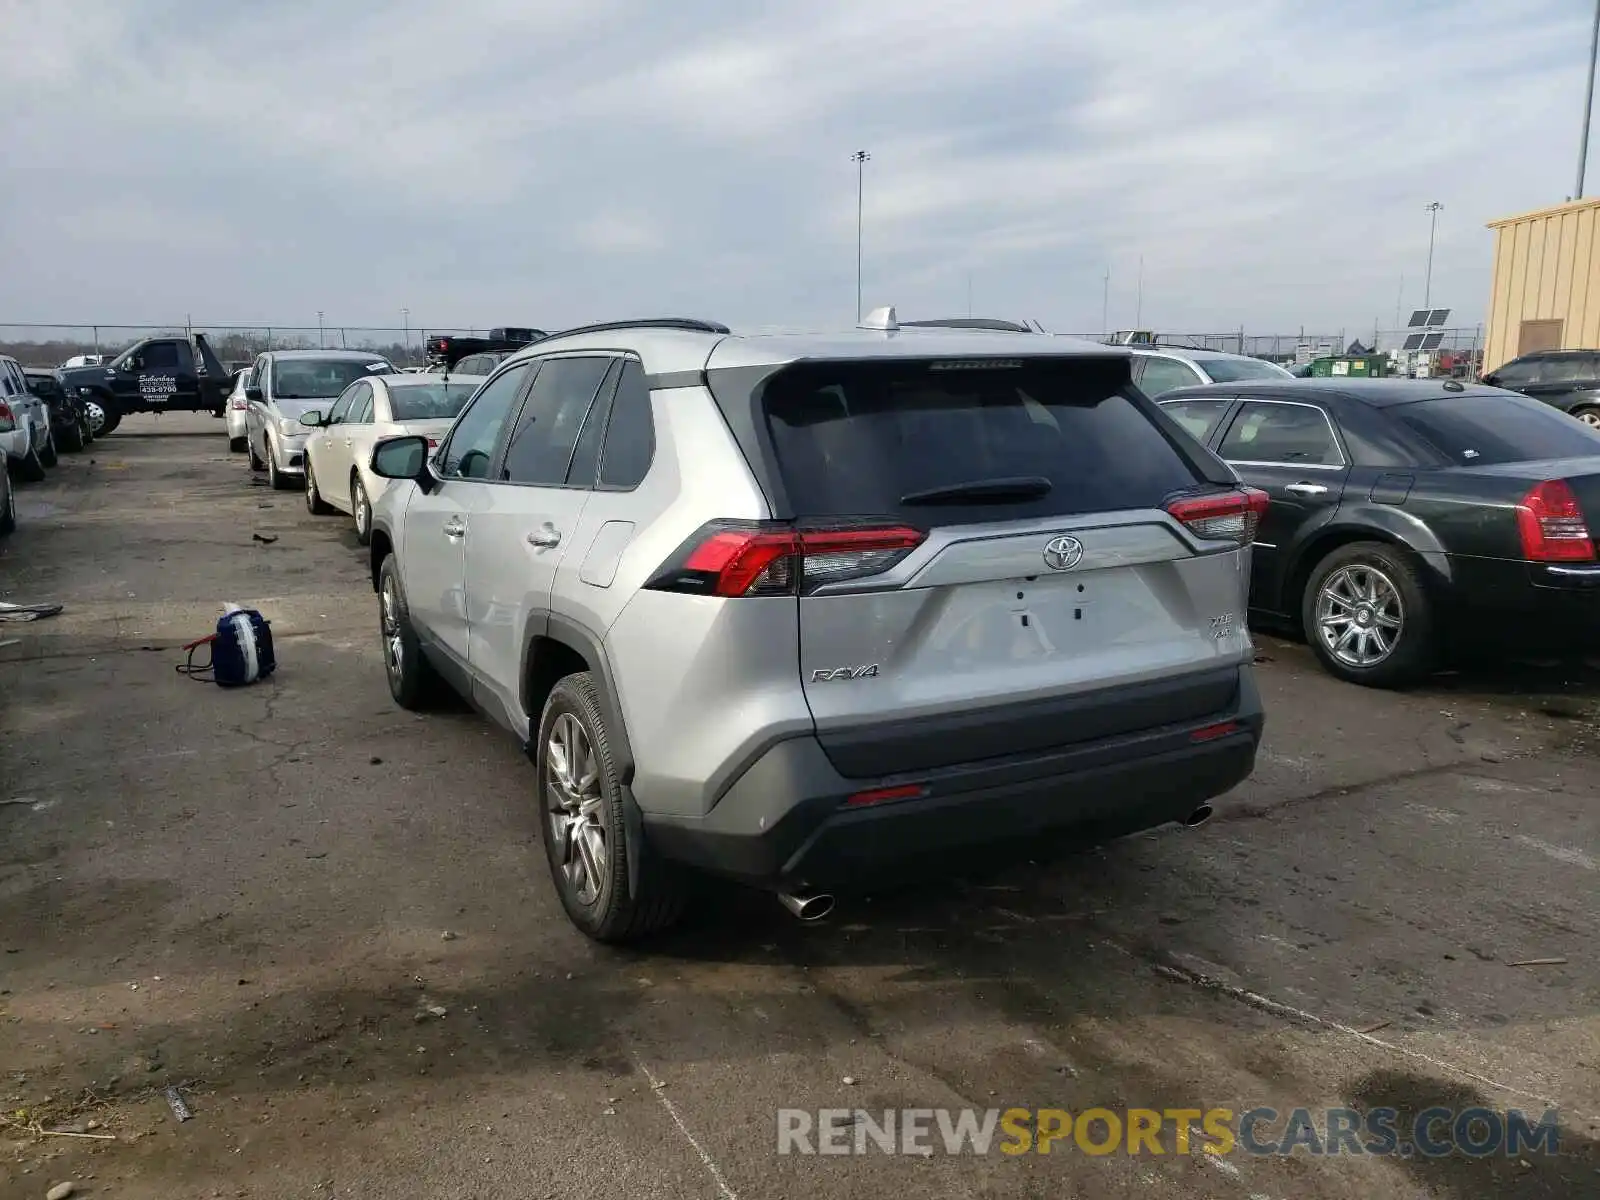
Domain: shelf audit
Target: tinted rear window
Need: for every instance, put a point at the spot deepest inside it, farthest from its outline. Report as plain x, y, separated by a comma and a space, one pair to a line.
853, 439
1236, 370
429, 401
1498, 429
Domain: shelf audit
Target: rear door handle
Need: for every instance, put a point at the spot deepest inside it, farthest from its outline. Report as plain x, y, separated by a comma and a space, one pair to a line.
1306, 489
455, 527
545, 537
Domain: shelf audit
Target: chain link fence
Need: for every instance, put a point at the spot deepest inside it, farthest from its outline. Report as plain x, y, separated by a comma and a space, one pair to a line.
53, 345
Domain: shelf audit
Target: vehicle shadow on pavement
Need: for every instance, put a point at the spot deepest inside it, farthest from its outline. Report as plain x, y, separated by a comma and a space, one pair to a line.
1574, 1171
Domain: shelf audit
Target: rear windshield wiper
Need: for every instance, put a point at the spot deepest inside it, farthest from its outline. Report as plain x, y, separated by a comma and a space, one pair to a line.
983, 491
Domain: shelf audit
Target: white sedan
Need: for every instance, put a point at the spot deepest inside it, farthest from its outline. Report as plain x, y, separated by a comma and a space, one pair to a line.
339, 450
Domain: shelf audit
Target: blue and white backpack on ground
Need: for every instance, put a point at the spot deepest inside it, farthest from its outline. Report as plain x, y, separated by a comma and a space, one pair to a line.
241, 649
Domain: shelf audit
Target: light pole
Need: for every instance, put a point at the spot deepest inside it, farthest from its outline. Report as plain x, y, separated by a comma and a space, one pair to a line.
1105, 303
405, 315
860, 158
321, 343
1588, 102
1433, 225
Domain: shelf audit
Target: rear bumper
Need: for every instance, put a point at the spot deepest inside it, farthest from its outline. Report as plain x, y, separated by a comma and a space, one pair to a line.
785, 822
1525, 606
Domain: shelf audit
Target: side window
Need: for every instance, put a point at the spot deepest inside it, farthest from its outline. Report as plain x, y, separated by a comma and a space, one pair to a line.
1373, 440
585, 466
1198, 417
160, 356
185, 355
540, 449
341, 406
1164, 374
1520, 373
470, 447
361, 405
631, 434
1268, 432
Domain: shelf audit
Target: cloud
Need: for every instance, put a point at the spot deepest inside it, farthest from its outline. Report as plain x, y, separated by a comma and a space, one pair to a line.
498, 161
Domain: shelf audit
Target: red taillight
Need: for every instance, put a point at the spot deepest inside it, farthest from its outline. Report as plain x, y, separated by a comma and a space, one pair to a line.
1223, 516
433, 443
240, 404
1210, 733
1551, 525
909, 791
736, 559
5, 412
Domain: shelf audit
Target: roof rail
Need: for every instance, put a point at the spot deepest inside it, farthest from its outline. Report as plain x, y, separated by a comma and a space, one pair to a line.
687, 324
970, 323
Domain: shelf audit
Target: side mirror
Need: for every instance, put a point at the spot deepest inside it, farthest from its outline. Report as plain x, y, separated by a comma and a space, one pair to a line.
252, 393
403, 458
313, 419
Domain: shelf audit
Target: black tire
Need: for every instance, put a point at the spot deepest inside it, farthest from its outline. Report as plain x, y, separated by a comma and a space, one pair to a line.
8, 506
31, 469
1413, 651
237, 445
413, 682
72, 438
276, 479
315, 504
610, 914
113, 419
48, 455
360, 510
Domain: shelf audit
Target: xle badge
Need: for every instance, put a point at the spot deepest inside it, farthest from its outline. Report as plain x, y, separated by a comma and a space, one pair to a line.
1222, 627
837, 673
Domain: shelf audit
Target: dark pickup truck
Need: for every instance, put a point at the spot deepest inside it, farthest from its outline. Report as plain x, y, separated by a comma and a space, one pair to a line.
445, 352
159, 374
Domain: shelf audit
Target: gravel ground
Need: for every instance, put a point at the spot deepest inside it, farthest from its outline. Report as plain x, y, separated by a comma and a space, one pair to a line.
328, 921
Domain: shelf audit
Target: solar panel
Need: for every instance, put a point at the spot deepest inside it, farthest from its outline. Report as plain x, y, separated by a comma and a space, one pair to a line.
1437, 316
1420, 317
1414, 341
1431, 341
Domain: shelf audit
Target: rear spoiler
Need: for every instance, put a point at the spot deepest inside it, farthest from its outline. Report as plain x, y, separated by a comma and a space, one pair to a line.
449, 349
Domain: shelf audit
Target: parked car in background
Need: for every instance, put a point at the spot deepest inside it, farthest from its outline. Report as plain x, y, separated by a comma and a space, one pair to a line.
154, 375
284, 386
809, 610
30, 447
339, 448
1564, 379
1159, 369
69, 422
8, 492
1411, 522
238, 406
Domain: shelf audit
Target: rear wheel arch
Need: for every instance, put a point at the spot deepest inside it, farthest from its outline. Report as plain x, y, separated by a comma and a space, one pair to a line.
381, 548
1325, 542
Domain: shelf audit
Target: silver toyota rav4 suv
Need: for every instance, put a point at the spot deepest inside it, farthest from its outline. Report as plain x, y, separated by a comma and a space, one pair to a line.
806, 611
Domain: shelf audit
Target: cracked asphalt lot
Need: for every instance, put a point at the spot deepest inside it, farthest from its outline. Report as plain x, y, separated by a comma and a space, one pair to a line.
329, 922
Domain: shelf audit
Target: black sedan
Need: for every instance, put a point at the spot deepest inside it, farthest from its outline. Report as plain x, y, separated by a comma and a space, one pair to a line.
1411, 522
68, 419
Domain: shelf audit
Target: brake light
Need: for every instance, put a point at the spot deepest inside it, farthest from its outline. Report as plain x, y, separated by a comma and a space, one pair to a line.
433, 443
5, 412
740, 558
1551, 525
1231, 516
240, 404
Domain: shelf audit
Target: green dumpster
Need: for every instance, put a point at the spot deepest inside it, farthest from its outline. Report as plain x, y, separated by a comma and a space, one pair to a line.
1341, 366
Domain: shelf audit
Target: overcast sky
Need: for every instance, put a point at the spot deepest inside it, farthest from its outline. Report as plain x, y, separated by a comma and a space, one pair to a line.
548, 162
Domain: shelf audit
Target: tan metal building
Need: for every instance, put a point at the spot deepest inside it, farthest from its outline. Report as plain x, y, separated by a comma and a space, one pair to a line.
1546, 290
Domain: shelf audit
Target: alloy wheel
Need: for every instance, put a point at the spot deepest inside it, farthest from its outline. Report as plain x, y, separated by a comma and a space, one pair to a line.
393, 647
97, 417
358, 504
1360, 615
572, 789
1590, 417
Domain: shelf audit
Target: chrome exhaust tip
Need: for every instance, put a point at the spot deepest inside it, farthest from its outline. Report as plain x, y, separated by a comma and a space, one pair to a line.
808, 907
1198, 817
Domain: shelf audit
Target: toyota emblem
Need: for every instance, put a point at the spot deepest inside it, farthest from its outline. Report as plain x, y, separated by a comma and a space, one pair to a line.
1063, 553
